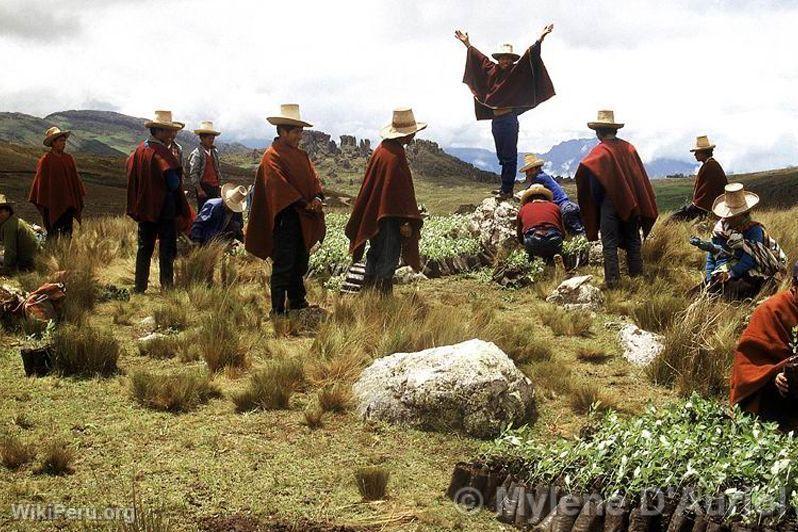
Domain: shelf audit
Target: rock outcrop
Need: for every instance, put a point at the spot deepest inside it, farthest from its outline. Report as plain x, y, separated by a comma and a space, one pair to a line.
640, 347
493, 223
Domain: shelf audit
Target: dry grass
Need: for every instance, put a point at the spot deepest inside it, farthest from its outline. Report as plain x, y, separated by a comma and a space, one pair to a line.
122, 313
14, 453
85, 351
57, 459
221, 344
566, 323
592, 355
173, 314
180, 392
272, 387
162, 347
553, 376
22, 421
336, 398
587, 395
313, 417
658, 311
372, 482
198, 265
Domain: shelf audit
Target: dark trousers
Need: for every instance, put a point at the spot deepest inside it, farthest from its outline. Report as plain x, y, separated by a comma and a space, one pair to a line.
210, 193
165, 231
384, 252
614, 233
290, 262
746, 287
505, 135
62, 226
543, 243
572, 218
689, 213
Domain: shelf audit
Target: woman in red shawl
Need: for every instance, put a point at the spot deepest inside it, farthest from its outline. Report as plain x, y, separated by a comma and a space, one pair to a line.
57, 190
763, 381
286, 219
385, 212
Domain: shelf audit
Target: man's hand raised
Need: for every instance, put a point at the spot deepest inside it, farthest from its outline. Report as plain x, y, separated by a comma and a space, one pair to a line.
548, 29
462, 37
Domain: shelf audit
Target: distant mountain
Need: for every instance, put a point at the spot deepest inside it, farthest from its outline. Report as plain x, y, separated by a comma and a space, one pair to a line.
563, 159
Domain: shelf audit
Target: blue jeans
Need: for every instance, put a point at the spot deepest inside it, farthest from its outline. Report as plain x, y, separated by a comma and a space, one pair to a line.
385, 250
572, 218
543, 243
505, 135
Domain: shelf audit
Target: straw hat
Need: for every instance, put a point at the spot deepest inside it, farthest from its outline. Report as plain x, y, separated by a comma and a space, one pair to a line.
235, 197
702, 143
505, 49
288, 116
536, 190
206, 128
53, 133
735, 201
163, 119
606, 119
402, 124
531, 161
5, 202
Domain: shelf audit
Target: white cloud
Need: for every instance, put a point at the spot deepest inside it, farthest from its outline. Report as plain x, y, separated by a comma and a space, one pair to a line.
670, 70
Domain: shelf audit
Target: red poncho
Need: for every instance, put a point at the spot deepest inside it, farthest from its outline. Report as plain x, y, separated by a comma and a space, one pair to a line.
387, 192
146, 185
523, 86
617, 166
764, 349
709, 184
285, 176
56, 187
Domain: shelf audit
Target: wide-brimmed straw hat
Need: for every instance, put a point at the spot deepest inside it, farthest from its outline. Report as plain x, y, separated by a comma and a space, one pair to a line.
5, 202
702, 143
288, 116
163, 119
206, 128
606, 119
53, 133
531, 161
536, 190
402, 124
235, 197
505, 49
735, 201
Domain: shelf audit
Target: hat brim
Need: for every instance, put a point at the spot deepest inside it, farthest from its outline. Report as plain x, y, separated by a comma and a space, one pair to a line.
528, 193
177, 126
285, 121
48, 141
722, 210
604, 125
234, 206
390, 132
704, 148
530, 166
514, 57
207, 132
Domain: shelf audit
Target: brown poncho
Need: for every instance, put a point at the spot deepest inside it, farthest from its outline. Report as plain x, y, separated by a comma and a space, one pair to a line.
285, 177
709, 184
617, 166
763, 351
387, 192
56, 187
146, 185
523, 86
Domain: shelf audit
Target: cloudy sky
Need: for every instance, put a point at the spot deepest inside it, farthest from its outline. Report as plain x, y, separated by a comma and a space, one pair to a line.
671, 70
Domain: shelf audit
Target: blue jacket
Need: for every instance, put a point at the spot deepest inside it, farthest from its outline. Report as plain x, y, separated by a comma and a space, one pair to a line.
560, 196
742, 262
209, 221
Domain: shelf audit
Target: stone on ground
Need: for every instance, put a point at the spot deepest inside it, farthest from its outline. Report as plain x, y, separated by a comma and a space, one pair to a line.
640, 347
493, 224
406, 275
472, 387
577, 293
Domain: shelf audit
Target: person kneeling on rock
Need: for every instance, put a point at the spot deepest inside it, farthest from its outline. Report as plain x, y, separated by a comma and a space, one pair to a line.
539, 224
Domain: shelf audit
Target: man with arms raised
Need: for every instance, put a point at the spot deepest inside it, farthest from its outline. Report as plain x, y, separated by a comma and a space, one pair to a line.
504, 90
286, 219
385, 212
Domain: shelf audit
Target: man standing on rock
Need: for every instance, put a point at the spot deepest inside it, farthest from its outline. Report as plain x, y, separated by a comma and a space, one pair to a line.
504, 90
385, 212
710, 183
57, 191
615, 196
286, 220
203, 165
155, 199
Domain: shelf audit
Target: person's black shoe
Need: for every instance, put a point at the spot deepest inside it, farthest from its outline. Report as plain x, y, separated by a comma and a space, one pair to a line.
298, 305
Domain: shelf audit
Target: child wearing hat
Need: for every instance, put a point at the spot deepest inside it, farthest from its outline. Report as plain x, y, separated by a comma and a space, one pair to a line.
539, 224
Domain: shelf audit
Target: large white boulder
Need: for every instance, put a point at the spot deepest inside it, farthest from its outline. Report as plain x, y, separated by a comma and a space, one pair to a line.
577, 293
493, 223
471, 387
640, 347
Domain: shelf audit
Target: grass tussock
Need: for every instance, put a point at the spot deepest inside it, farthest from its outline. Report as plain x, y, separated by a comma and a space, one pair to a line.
85, 351
564, 322
313, 417
658, 311
180, 392
552, 376
523, 343
198, 265
57, 459
221, 343
336, 398
122, 313
699, 347
174, 312
162, 347
22, 421
586, 395
372, 482
272, 387
14, 453
592, 354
